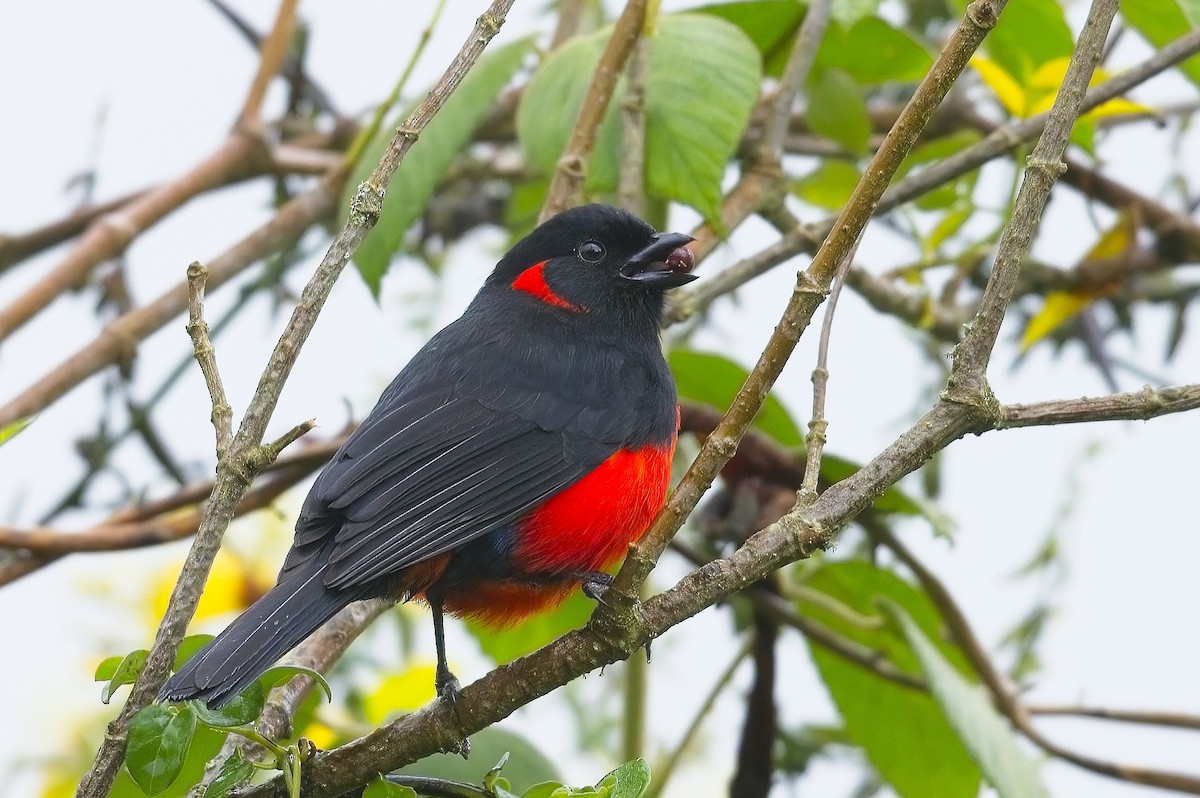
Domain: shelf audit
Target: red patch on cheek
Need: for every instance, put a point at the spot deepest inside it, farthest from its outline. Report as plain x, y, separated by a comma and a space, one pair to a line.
533, 281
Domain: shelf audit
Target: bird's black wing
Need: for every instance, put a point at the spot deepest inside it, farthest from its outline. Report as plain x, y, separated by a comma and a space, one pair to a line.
427, 474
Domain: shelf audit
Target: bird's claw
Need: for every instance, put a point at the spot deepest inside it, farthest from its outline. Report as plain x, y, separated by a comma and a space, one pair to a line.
449, 690
595, 584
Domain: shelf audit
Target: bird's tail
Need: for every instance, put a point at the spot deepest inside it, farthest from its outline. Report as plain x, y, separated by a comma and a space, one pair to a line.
273, 625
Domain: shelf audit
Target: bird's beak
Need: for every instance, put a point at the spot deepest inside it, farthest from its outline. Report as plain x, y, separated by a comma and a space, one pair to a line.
666, 263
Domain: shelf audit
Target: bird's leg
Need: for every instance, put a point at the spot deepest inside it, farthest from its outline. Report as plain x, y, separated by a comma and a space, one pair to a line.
444, 681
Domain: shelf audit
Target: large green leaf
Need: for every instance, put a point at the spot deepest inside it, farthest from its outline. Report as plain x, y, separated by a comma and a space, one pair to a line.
714, 380
1161, 21
770, 24
696, 109
829, 185
987, 735
159, 739
873, 52
902, 730
837, 110
425, 165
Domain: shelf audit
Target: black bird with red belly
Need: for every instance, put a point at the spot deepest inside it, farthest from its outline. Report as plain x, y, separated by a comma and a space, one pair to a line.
514, 459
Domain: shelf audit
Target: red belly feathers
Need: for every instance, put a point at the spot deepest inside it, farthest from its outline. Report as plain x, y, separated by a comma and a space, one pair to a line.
587, 527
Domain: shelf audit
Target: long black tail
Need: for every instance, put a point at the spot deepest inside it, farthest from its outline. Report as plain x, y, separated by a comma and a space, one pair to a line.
273, 625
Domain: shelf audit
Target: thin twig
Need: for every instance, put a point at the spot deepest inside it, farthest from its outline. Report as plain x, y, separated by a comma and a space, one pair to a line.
631, 182
202, 348
818, 425
570, 14
273, 53
122, 334
245, 150
1173, 720
572, 165
799, 64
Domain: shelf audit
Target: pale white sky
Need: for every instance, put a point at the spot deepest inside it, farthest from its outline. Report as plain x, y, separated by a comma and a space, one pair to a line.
170, 77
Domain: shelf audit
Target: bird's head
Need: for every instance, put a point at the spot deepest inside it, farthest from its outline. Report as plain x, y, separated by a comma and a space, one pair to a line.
596, 261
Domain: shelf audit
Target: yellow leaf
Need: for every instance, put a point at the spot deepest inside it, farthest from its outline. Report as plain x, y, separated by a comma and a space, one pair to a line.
1047, 78
1116, 239
1010, 93
320, 735
402, 692
231, 587
1059, 307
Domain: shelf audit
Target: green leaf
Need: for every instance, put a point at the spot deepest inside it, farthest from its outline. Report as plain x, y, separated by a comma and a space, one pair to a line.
550, 104
1161, 21
526, 766
850, 11
630, 780
236, 770
836, 110
126, 672
987, 735
829, 185
273, 677
770, 24
873, 52
108, 668
158, 742
1029, 33
947, 226
382, 788
696, 109
427, 161
10, 431
903, 732
714, 380
505, 645
245, 708
189, 646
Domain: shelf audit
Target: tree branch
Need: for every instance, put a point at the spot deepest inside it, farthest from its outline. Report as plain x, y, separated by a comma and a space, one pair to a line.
246, 455
572, 165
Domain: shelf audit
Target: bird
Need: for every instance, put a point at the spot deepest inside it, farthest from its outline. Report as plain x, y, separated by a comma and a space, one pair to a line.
513, 460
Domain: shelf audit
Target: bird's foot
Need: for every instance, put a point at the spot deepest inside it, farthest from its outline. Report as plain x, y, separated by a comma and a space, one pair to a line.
447, 686
449, 690
595, 583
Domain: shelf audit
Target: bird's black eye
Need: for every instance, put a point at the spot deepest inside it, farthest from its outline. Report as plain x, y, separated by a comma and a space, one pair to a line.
591, 252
